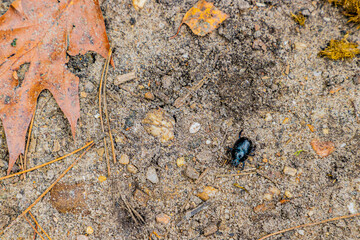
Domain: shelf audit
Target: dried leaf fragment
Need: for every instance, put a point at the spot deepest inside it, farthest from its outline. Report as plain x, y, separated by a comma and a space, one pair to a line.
41, 34
322, 148
203, 18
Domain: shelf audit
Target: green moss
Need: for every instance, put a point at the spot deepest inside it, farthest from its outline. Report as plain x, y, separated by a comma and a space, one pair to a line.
298, 18
340, 49
351, 9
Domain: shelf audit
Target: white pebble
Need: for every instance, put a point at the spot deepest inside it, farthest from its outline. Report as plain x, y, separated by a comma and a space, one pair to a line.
195, 127
352, 208
151, 175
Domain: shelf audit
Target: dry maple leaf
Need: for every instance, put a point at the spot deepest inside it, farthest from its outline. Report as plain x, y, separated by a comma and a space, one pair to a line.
203, 18
41, 33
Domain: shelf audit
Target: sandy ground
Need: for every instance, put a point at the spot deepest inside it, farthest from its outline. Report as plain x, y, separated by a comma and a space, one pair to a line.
264, 76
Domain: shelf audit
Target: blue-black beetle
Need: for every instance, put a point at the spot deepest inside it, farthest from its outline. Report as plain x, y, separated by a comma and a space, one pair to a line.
243, 148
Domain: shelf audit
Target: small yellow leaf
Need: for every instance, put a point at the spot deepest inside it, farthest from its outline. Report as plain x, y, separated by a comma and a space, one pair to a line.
102, 179
203, 18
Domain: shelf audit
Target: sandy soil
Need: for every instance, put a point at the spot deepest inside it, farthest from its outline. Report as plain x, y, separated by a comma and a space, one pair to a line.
264, 76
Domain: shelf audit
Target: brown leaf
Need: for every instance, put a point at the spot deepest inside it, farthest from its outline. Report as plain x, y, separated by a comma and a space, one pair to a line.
203, 18
323, 149
41, 33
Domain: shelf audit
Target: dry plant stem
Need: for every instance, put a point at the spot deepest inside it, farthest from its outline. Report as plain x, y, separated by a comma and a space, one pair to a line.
106, 111
181, 100
129, 209
177, 31
45, 164
100, 111
28, 142
34, 228
46, 191
37, 224
311, 224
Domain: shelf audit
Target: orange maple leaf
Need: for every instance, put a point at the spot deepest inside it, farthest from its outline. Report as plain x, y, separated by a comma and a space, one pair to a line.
203, 18
41, 33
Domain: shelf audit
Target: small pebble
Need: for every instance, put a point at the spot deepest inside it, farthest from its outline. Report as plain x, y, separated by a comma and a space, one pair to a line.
300, 46
195, 127
288, 194
268, 197
132, 169
124, 159
209, 230
149, 96
274, 191
138, 4
159, 124
167, 82
151, 175
89, 87
141, 197
162, 218
89, 230
82, 237
191, 173
207, 192
56, 147
102, 178
352, 208
100, 151
290, 171
208, 142
301, 232
268, 117
180, 161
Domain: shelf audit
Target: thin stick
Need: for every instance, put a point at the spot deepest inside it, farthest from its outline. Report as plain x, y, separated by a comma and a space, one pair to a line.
100, 111
106, 111
234, 175
33, 227
45, 164
28, 141
37, 224
46, 191
311, 224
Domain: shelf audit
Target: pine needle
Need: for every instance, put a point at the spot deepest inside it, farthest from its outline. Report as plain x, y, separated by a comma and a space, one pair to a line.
311, 224
37, 224
33, 227
28, 142
45, 164
45, 192
106, 111
100, 110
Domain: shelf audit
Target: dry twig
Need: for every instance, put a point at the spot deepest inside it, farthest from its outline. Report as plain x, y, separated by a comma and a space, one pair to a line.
125, 78
45, 192
311, 224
